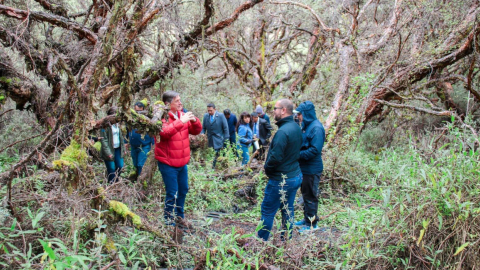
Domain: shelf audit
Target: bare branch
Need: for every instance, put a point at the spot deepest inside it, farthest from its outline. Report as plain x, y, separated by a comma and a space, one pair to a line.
53, 19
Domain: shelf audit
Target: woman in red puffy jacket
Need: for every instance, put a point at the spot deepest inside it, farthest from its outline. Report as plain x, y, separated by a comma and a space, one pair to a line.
173, 154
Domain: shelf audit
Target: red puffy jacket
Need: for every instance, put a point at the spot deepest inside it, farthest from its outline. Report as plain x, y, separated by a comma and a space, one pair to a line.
174, 146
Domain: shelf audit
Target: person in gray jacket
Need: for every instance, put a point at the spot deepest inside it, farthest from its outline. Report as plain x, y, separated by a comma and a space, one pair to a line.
216, 127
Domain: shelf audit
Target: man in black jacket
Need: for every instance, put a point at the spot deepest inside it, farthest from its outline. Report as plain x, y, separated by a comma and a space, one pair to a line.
262, 131
283, 170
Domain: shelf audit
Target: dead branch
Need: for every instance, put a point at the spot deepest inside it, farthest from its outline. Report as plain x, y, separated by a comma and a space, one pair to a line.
17, 142
50, 18
417, 109
324, 27
414, 73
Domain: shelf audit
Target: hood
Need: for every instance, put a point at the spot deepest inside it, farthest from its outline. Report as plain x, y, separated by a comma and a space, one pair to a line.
307, 109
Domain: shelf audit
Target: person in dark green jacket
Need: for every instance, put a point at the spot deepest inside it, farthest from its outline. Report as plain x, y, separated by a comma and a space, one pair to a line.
113, 148
283, 170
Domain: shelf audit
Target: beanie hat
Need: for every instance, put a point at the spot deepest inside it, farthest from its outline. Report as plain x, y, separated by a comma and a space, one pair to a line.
259, 109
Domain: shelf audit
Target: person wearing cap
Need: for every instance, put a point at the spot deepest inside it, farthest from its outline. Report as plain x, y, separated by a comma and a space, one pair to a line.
261, 131
311, 164
261, 114
232, 124
139, 144
283, 171
216, 127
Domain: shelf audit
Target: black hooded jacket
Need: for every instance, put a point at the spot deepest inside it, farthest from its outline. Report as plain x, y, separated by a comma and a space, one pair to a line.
313, 139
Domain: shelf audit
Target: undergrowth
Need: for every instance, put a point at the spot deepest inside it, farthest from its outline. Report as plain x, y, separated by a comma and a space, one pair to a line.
408, 206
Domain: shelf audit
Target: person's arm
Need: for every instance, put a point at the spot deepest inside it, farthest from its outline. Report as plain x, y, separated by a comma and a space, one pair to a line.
269, 130
169, 129
104, 141
226, 133
204, 129
277, 151
242, 134
234, 120
195, 127
316, 138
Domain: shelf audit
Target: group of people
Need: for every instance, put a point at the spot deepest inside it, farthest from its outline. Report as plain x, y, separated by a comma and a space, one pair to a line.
254, 131
114, 146
293, 161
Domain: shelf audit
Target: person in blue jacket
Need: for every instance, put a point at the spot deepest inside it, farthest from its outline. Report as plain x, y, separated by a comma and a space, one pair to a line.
311, 163
232, 125
245, 133
139, 144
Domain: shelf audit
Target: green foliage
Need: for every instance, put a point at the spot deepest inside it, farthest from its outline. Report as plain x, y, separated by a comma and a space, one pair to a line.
73, 156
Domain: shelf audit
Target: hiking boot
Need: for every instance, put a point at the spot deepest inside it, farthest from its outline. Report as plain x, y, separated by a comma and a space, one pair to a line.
300, 223
308, 229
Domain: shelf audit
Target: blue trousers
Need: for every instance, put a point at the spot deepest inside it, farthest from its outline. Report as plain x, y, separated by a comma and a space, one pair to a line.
274, 191
176, 186
114, 166
139, 156
245, 155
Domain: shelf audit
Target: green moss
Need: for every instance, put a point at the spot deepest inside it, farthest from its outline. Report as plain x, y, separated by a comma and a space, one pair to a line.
73, 156
159, 102
2, 98
145, 102
5, 80
98, 146
101, 192
125, 212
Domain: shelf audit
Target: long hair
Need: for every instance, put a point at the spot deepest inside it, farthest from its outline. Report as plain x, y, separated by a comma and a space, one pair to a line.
242, 120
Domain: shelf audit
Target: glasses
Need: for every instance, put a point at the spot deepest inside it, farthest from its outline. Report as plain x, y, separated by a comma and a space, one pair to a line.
277, 108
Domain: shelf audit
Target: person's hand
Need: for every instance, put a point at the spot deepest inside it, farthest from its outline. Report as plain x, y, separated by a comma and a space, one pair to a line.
127, 147
187, 117
110, 156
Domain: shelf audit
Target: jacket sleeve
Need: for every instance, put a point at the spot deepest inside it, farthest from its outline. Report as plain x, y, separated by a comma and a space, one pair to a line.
204, 129
316, 137
269, 130
195, 128
105, 149
225, 128
276, 152
169, 129
242, 133
235, 120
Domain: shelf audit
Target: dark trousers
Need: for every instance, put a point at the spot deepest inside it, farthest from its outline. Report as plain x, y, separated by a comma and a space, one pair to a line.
114, 167
272, 201
139, 156
217, 154
262, 151
233, 143
176, 187
310, 198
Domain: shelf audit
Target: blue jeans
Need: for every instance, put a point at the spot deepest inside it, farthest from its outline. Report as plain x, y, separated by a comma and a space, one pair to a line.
176, 186
139, 156
245, 155
114, 166
273, 201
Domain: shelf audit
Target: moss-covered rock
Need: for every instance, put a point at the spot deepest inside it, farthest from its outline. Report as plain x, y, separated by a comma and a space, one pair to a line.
122, 210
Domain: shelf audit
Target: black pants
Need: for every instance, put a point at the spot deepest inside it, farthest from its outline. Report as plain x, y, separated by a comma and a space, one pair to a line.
217, 153
310, 190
